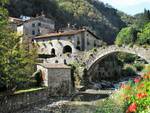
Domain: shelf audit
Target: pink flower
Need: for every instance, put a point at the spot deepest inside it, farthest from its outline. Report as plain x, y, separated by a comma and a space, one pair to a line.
132, 108
137, 80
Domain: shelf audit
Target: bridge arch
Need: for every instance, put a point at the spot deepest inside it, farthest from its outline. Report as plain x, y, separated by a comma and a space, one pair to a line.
102, 53
92, 60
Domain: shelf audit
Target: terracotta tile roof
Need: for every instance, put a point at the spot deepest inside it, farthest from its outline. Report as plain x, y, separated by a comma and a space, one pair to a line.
54, 66
66, 33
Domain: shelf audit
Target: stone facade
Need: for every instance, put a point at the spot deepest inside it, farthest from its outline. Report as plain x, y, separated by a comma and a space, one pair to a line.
32, 26
70, 41
57, 77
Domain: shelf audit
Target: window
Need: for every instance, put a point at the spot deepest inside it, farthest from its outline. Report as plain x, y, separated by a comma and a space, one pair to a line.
33, 25
88, 43
53, 52
33, 32
95, 44
38, 31
78, 41
39, 24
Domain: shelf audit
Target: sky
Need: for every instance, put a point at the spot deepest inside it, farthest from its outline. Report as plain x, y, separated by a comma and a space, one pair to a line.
131, 7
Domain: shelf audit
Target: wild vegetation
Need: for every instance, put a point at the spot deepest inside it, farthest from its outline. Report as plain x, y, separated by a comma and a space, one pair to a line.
137, 33
16, 61
104, 20
133, 97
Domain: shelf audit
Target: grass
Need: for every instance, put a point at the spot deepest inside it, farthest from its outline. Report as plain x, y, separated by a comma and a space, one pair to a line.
29, 90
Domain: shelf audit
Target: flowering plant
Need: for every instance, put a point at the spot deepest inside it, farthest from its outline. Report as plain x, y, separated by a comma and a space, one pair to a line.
136, 95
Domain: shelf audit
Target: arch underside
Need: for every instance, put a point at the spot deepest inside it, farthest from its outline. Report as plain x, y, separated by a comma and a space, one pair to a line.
104, 55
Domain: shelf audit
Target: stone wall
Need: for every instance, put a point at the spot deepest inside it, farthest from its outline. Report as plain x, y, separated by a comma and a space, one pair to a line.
59, 81
11, 103
57, 77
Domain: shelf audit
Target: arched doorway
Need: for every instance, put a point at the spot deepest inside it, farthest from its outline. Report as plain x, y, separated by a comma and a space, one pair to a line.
67, 49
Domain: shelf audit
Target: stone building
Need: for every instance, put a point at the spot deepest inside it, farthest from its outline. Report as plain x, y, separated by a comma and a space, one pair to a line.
70, 41
32, 26
57, 77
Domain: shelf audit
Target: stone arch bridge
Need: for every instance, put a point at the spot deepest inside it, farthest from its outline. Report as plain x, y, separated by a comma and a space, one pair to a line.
92, 57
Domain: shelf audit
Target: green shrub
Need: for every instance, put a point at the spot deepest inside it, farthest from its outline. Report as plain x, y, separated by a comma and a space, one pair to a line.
94, 49
146, 68
136, 95
110, 105
129, 71
138, 66
38, 77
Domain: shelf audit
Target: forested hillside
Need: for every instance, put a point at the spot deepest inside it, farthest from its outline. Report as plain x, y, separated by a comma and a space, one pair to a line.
137, 33
101, 18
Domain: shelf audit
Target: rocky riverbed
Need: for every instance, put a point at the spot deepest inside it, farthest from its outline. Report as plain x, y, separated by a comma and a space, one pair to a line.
81, 102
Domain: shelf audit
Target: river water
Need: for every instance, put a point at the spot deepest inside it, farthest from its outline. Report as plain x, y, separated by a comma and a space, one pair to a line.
81, 102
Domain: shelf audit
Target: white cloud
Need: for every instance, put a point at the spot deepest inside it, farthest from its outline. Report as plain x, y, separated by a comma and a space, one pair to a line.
126, 2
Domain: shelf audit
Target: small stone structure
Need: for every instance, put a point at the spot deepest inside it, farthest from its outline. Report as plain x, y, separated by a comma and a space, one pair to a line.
57, 77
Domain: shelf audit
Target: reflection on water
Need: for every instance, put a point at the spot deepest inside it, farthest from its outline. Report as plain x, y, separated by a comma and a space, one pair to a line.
88, 97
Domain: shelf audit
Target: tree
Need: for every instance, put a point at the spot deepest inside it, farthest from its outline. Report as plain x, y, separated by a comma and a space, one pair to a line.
126, 36
16, 62
142, 19
144, 35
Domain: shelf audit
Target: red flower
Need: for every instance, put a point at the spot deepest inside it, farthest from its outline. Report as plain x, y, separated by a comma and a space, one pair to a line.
132, 108
141, 95
140, 86
137, 80
146, 76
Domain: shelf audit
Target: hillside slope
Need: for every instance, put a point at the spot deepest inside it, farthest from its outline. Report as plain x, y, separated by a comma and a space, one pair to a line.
101, 18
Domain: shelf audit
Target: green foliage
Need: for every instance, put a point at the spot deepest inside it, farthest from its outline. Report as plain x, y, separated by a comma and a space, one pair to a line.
16, 62
105, 21
137, 33
137, 93
126, 57
138, 66
110, 105
142, 19
144, 35
125, 36
129, 71
76, 72
38, 78
146, 68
